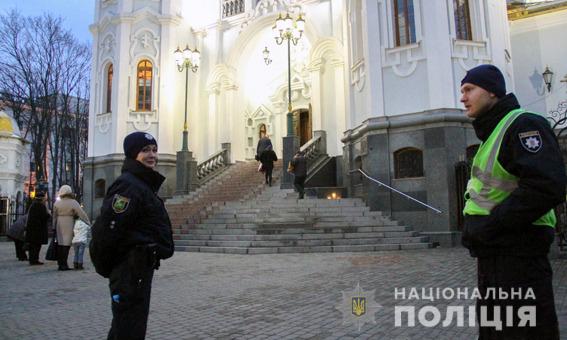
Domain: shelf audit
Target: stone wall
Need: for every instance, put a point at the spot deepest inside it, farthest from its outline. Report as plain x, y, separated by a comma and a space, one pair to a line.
442, 136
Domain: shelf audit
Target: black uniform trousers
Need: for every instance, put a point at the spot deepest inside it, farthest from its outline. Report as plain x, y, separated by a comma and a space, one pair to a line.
130, 285
507, 273
299, 183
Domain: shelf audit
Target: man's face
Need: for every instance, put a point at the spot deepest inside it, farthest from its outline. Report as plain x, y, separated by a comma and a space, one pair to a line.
476, 100
148, 156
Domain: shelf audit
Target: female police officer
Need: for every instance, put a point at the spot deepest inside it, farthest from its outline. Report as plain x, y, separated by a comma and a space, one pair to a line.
131, 235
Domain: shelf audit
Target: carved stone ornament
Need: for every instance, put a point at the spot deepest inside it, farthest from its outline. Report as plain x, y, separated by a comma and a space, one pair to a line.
103, 123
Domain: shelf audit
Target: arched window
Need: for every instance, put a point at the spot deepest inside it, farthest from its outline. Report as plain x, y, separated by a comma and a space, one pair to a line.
463, 30
109, 74
100, 188
404, 22
408, 163
144, 86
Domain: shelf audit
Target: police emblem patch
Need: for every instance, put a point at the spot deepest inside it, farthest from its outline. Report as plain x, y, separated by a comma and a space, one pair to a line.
120, 203
358, 305
531, 141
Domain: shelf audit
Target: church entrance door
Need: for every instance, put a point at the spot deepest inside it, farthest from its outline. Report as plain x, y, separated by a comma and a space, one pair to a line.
302, 125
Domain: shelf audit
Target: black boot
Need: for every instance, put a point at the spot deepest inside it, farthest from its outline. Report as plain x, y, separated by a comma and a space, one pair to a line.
62, 254
75, 265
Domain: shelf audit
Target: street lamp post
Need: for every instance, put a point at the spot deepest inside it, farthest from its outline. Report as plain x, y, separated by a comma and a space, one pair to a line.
186, 165
290, 30
187, 59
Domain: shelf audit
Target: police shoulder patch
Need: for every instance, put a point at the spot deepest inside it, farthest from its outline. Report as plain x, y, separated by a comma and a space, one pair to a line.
531, 141
120, 203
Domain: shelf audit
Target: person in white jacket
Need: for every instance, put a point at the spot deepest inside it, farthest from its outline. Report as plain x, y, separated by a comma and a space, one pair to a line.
82, 234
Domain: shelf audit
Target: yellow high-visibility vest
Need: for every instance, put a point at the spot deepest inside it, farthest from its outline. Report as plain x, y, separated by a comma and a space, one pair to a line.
490, 183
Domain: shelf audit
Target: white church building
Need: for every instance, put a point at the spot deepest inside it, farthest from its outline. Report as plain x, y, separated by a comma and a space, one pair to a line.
374, 83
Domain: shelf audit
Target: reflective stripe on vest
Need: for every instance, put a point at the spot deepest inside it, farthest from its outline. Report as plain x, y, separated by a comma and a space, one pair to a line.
489, 187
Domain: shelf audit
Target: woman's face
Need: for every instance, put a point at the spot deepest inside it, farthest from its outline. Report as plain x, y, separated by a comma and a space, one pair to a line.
148, 156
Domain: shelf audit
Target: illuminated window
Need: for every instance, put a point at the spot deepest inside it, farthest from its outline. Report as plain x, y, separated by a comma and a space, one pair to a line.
463, 30
408, 163
109, 74
404, 21
144, 86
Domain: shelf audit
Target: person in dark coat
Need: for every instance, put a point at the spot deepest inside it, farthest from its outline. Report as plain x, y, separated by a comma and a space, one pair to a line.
299, 170
131, 235
36, 229
517, 178
17, 233
263, 144
268, 157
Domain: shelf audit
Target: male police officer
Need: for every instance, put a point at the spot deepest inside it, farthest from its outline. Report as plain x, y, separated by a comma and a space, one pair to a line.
517, 178
131, 235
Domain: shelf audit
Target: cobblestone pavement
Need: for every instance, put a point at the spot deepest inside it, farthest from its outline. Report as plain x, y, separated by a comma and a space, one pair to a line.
215, 296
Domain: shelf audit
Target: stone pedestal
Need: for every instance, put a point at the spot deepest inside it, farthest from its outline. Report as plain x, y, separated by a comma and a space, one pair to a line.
290, 147
186, 173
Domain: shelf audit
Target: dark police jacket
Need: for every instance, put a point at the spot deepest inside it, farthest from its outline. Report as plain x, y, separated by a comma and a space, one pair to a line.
508, 230
132, 214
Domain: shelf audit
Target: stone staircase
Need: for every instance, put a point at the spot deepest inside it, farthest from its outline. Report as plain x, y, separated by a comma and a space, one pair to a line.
240, 181
275, 221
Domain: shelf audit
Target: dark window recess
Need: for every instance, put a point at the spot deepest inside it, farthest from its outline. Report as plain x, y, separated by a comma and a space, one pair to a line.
100, 188
471, 152
408, 163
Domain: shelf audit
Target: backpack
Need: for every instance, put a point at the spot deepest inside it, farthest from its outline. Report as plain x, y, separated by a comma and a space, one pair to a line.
106, 234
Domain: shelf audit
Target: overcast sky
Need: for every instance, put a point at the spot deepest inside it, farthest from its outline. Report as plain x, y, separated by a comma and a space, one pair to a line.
77, 14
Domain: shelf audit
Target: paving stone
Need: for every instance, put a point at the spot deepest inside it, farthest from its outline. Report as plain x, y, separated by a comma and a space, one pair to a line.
224, 296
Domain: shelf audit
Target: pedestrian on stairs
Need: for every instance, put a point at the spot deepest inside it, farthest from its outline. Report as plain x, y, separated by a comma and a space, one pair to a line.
131, 235
298, 167
268, 157
263, 144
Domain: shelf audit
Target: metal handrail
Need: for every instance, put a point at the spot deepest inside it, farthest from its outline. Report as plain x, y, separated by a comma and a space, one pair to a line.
396, 191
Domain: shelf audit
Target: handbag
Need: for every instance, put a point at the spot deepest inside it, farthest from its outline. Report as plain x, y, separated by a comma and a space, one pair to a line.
51, 254
17, 230
290, 167
261, 168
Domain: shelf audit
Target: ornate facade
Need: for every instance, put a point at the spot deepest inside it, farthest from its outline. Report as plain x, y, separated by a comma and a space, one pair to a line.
377, 76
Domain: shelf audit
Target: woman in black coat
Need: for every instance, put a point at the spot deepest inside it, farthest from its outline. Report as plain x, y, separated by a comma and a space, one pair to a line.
36, 231
268, 157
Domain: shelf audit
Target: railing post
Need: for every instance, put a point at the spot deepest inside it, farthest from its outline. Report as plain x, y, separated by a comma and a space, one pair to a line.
186, 173
290, 147
323, 144
227, 155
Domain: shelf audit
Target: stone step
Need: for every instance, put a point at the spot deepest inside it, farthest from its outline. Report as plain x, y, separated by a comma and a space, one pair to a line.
227, 229
257, 220
301, 242
319, 203
306, 249
276, 237
336, 224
